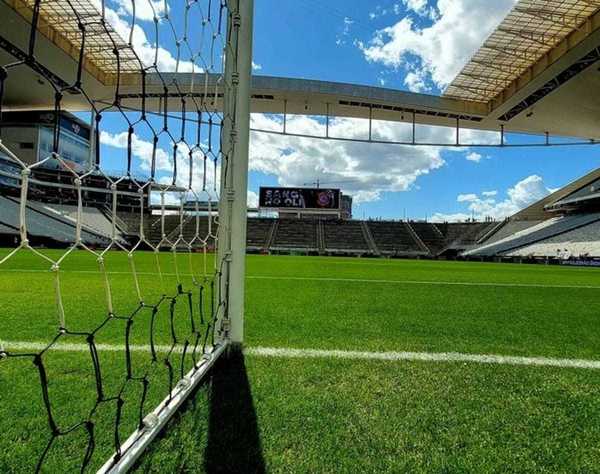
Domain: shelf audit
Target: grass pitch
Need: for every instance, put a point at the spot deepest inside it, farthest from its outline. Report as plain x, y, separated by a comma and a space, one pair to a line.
325, 415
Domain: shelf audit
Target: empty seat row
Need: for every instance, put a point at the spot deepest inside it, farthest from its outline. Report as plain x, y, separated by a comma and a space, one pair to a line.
393, 237
295, 234
344, 235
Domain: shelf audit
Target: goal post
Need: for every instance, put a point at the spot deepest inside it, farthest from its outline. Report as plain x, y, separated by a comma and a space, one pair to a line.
231, 240
234, 185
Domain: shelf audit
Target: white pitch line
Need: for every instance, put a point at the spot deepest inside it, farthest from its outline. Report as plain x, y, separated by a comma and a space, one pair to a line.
341, 280
289, 353
23, 346
424, 282
424, 356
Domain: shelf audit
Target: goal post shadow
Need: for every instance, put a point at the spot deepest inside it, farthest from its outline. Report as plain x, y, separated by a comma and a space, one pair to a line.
233, 443
221, 418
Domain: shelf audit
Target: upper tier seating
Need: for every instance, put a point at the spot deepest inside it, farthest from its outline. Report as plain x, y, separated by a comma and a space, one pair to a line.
581, 242
537, 233
509, 229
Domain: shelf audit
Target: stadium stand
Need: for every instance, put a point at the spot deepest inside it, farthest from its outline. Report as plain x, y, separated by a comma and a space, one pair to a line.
583, 242
369, 239
394, 238
153, 227
91, 217
345, 236
510, 228
537, 233
189, 228
320, 237
562, 225
131, 222
430, 235
340, 237
46, 226
258, 233
293, 234
459, 237
8, 230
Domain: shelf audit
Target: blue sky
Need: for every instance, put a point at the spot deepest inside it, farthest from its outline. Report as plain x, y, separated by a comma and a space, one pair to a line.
400, 44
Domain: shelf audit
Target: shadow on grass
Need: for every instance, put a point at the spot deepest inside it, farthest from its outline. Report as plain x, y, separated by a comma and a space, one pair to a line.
215, 431
233, 438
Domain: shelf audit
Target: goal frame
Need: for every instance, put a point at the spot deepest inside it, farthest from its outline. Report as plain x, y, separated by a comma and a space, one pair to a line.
231, 240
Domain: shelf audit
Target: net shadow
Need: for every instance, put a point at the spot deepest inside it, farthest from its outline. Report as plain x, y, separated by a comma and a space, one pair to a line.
233, 438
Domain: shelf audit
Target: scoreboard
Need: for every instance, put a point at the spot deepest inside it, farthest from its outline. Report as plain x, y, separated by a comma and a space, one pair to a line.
299, 198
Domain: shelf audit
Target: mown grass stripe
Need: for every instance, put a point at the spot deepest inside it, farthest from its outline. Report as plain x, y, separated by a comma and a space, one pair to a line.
341, 280
290, 353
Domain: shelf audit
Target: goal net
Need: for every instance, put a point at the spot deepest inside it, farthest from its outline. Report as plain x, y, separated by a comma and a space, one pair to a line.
123, 168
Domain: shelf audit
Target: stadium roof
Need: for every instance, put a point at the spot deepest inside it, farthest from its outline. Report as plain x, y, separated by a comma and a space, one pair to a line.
59, 24
534, 31
533, 75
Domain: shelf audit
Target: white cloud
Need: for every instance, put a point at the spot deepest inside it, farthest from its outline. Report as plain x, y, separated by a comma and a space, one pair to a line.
341, 39
145, 10
418, 6
415, 81
523, 194
466, 197
363, 170
142, 151
475, 157
443, 47
252, 199
527, 191
256, 66
145, 49
378, 12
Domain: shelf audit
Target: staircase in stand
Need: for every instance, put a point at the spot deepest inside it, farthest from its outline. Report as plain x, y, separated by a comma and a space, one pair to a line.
369, 239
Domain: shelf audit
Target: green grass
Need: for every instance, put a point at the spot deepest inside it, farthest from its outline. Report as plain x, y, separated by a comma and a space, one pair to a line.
321, 415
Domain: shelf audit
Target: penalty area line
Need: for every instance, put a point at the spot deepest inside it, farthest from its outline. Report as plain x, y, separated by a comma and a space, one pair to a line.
290, 353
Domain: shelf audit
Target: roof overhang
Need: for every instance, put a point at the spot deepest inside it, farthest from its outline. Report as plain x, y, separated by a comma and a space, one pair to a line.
539, 66
570, 108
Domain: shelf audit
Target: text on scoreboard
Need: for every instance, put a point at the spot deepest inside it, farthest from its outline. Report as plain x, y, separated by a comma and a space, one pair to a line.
299, 198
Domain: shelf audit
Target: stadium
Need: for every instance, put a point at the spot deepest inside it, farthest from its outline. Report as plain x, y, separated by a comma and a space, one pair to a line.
154, 319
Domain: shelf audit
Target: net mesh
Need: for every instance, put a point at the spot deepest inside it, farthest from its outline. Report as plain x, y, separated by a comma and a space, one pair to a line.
118, 248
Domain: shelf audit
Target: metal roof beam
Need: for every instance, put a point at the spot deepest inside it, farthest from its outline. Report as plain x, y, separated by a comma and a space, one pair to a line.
532, 36
503, 68
593, 3
520, 53
474, 91
487, 79
564, 19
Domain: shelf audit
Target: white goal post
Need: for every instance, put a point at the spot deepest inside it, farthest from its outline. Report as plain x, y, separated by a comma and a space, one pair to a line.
234, 183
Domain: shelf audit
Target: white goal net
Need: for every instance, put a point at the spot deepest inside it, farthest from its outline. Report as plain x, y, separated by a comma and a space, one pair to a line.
122, 219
